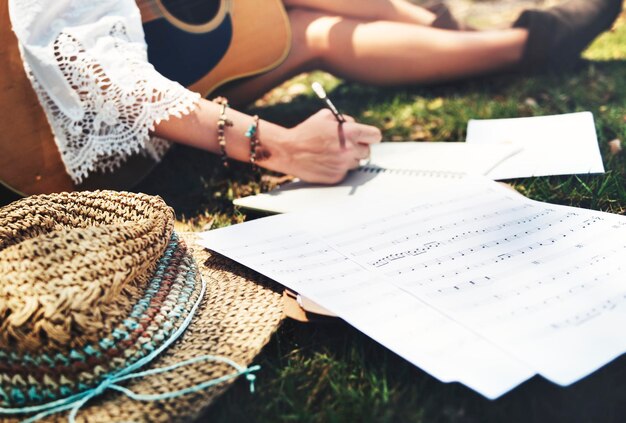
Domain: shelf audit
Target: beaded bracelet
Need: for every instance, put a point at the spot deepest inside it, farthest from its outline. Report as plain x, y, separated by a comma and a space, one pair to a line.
255, 143
222, 123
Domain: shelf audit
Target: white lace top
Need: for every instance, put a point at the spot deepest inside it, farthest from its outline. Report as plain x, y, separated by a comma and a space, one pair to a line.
87, 61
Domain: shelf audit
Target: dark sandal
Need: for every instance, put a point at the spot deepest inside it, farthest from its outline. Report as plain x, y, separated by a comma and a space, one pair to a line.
558, 35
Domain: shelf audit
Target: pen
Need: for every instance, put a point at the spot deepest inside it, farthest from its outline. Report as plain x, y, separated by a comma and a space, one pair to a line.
319, 90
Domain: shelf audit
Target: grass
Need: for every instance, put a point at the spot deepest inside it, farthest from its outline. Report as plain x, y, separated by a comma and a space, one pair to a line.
329, 372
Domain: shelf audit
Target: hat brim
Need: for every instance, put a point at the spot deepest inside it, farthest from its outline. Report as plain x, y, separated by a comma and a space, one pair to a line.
238, 315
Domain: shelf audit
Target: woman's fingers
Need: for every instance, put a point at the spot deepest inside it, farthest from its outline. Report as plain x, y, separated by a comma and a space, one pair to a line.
359, 138
348, 118
355, 140
362, 151
350, 130
360, 133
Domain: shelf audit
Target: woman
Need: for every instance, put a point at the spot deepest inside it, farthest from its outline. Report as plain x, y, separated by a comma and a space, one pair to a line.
394, 42
87, 63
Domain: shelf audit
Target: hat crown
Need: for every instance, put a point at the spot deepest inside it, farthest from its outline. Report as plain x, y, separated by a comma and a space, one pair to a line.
73, 264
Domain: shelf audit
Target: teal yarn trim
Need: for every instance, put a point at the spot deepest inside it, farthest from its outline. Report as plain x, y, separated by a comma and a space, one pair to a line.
167, 300
75, 402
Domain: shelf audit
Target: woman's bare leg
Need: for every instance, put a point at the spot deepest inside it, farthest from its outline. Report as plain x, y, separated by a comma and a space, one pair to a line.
385, 53
381, 10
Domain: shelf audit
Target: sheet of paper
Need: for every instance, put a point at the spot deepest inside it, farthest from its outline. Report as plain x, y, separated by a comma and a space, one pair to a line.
551, 145
543, 282
367, 183
401, 169
524, 287
473, 159
280, 249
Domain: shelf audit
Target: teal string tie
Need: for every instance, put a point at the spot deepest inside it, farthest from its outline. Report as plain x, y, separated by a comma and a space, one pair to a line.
75, 402
251, 377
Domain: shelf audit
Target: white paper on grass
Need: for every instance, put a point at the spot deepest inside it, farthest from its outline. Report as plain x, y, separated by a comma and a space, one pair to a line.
399, 169
551, 145
475, 284
442, 156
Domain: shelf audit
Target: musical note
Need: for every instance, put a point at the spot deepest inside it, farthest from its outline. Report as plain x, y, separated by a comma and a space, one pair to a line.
590, 313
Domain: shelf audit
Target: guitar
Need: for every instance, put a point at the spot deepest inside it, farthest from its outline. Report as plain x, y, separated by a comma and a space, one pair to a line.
200, 43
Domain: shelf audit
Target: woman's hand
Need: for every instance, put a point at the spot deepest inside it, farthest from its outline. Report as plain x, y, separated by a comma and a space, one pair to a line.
317, 150
322, 150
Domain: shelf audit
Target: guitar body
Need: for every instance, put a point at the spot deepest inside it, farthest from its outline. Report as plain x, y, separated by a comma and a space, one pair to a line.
235, 39
200, 43
29, 159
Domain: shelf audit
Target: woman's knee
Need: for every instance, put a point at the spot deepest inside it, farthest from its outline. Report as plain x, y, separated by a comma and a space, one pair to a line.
311, 31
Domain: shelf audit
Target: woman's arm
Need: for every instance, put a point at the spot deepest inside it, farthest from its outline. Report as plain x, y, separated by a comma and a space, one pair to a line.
317, 150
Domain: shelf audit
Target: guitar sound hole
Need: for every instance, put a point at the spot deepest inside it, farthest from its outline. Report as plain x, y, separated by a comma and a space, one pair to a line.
193, 12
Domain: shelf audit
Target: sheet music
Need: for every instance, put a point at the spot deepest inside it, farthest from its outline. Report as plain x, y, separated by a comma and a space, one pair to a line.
483, 286
280, 249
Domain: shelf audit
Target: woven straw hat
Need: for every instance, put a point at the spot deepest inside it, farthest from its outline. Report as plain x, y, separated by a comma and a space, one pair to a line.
105, 315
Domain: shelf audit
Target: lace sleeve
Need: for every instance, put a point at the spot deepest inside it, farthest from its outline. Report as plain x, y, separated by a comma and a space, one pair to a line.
101, 96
